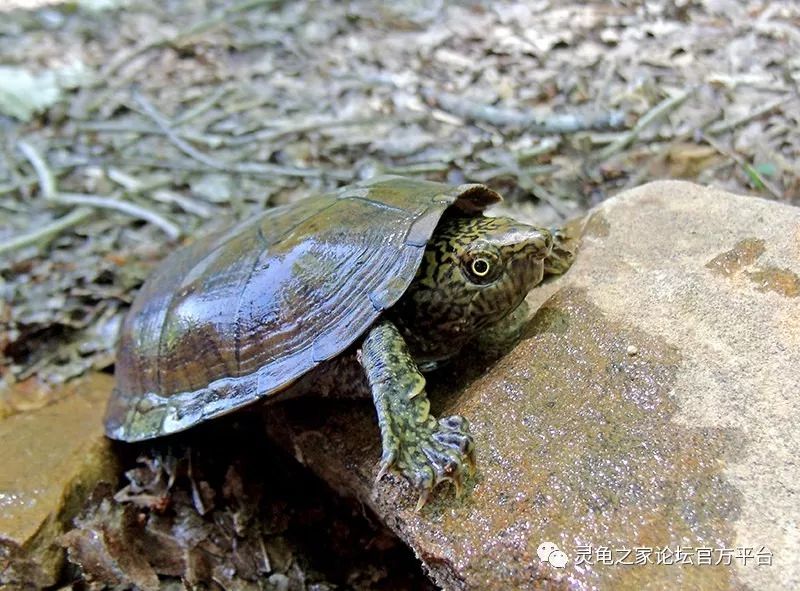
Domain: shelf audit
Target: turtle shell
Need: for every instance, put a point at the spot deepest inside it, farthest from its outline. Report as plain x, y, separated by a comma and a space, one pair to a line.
242, 314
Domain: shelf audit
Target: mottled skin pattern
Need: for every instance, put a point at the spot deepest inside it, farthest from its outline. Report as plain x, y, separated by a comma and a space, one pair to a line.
474, 275
475, 272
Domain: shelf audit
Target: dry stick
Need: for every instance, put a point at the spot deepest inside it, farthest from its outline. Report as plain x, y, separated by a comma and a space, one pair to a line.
17, 185
661, 110
240, 167
48, 232
124, 57
660, 154
47, 187
219, 141
246, 168
164, 124
47, 181
86, 103
723, 126
115, 204
418, 168
543, 194
273, 133
749, 169
545, 146
531, 122
711, 127
198, 208
203, 106
210, 140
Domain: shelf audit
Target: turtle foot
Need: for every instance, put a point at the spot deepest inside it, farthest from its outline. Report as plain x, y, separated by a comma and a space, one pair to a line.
428, 453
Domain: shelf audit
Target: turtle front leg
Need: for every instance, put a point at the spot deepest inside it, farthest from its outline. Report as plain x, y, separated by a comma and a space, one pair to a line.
415, 444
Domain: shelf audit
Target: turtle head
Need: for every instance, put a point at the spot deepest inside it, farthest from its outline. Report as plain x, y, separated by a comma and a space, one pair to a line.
475, 272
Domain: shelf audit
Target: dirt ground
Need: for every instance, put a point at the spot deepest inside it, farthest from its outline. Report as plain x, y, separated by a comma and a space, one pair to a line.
131, 127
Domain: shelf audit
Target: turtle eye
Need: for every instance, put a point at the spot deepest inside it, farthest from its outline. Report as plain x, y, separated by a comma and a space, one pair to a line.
481, 267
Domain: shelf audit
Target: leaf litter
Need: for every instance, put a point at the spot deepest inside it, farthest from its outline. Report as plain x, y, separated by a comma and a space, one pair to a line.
218, 510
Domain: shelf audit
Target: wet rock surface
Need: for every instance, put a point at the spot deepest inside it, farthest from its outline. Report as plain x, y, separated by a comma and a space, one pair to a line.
646, 424
51, 459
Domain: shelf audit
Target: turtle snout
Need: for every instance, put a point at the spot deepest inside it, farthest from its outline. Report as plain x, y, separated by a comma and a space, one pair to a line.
540, 243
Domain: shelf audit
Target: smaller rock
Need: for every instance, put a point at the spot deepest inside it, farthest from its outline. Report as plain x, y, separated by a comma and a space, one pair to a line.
51, 458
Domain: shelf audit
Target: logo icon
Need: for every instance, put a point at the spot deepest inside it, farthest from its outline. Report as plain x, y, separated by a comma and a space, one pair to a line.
549, 552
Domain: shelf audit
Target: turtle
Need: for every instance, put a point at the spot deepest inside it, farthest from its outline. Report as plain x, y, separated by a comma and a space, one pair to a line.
354, 292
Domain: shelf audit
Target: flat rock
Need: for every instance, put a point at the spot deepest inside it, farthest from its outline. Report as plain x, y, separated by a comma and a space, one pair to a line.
50, 458
647, 424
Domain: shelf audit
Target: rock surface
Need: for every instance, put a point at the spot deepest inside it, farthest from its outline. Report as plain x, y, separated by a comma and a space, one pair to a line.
50, 459
652, 405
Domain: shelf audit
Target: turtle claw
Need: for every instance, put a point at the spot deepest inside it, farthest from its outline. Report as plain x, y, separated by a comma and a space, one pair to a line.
423, 498
387, 462
432, 453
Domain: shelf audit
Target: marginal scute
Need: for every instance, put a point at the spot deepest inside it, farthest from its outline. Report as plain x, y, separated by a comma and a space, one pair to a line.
244, 313
323, 349
422, 229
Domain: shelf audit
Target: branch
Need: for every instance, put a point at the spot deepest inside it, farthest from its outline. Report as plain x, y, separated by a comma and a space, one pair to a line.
658, 112
748, 169
531, 122
48, 232
47, 186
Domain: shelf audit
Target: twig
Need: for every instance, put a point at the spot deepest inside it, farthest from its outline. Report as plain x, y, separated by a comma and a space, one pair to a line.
304, 127
47, 186
645, 169
656, 113
47, 182
531, 122
136, 211
106, 100
260, 169
198, 208
210, 140
723, 126
166, 126
545, 146
134, 185
202, 106
257, 168
749, 169
245, 168
48, 232
543, 194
